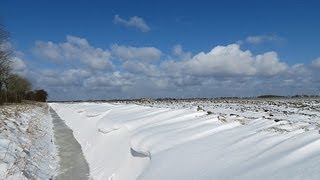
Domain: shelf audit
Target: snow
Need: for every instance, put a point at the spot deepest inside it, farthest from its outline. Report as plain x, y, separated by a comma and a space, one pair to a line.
107, 154
72, 164
241, 139
26, 144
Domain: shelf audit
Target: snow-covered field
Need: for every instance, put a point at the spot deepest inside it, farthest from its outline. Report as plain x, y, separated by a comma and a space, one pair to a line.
237, 139
26, 145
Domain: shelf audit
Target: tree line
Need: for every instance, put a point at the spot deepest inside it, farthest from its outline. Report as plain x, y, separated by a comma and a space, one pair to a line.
14, 87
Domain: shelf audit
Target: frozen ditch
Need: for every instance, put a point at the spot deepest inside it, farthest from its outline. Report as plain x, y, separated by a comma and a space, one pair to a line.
72, 162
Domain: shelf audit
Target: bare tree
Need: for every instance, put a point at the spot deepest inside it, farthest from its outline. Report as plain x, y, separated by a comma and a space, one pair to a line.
13, 87
5, 54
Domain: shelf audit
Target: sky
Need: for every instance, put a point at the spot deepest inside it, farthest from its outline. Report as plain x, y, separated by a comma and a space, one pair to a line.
133, 49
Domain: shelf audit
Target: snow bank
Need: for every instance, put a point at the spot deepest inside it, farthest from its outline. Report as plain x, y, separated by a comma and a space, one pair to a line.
26, 145
127, 141
108, 155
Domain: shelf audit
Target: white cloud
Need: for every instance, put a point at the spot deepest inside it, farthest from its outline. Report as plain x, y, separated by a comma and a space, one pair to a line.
225, 61
146, 54
57, 78
316, 63
222, 60
135, 21
298, 70
146, 71
259, 39
75, 48
48, 50
112, 81
268, 64
80, 42
188, 80
141, 68
17, 64
178, 52
76, 73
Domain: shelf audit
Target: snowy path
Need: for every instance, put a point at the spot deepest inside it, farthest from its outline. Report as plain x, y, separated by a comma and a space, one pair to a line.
72, 162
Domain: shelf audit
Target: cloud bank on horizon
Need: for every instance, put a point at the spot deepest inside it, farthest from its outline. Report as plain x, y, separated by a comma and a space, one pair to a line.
83, 71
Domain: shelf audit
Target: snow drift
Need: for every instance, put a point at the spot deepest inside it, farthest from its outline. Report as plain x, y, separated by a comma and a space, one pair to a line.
127, 141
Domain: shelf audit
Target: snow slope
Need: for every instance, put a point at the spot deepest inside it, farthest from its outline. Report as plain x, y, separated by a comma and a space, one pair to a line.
27, 150
127, 141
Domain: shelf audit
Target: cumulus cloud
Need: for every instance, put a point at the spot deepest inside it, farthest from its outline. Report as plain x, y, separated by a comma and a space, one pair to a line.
136, 53
17, 64
229, 61
48, 50
141, 68
75, 48
76, 73
316, 63
268, 64
183, 81
222, 60
66, 78
298, 70
148, 72
179, 53
135, 21
177, 50
112, 81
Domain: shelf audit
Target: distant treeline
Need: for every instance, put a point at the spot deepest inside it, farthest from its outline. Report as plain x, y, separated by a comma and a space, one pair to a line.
14, 87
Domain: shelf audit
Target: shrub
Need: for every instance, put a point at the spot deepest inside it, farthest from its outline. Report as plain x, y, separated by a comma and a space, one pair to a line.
199, 108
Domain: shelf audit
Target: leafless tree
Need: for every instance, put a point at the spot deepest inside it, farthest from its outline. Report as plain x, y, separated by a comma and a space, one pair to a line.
5, 53
13, 87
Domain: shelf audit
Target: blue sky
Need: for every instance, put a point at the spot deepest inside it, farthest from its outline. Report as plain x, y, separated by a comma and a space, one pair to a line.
121, 35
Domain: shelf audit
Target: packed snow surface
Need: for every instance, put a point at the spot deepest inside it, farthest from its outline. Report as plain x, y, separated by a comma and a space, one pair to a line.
227, 139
